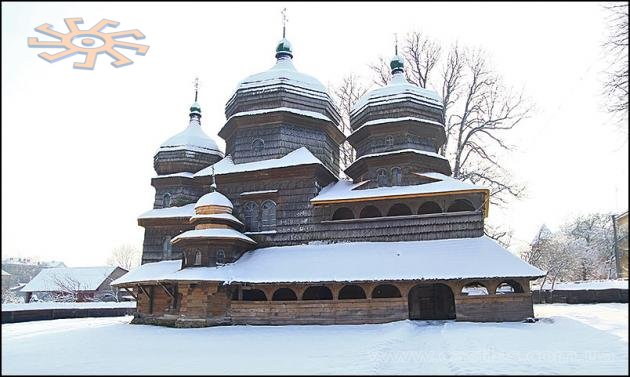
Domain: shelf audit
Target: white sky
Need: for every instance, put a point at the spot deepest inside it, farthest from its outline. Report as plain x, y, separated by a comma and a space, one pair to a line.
78, 146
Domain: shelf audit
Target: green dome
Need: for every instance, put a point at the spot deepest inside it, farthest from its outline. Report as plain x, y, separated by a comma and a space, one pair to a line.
195, 108
397, 64
284, 49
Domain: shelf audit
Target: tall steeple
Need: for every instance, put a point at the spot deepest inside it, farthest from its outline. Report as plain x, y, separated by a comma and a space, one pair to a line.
283, 49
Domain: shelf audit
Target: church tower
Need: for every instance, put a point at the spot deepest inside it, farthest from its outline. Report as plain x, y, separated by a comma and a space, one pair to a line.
397, 131
275, 112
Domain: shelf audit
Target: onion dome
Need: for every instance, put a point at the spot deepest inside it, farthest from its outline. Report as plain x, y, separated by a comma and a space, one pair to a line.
397, 64
188, 151
398, 89
283, 72
283, 49
192, 137
212, 203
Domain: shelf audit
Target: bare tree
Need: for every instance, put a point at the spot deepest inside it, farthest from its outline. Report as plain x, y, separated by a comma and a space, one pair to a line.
125, 256
616, 46
422, 54
346, 95
68, 289
501, 234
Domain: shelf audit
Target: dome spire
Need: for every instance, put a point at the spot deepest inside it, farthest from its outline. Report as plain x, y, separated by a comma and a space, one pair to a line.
213, 186
397, 64
195, 109
284, 22
283, 49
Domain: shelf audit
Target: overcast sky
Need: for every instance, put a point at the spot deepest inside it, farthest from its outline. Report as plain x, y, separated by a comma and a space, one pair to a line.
78, 145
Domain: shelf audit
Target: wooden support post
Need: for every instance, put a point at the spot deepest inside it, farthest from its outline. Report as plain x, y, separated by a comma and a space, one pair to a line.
131, 293
167, 291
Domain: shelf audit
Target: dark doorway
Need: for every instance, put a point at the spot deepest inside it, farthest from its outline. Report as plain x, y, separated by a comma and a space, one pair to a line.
431, 301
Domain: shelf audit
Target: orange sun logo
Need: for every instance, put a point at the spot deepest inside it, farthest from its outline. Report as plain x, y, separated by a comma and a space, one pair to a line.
89, 42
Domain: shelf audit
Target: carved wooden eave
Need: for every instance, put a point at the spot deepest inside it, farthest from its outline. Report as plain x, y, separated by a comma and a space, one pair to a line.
164, 221
420, 128
381, 159
281, 117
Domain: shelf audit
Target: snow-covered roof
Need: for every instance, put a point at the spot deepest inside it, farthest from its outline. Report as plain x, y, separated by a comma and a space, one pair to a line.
214, 198
470, 258
311, 114
398, 88
345, 190
301, 156
183, 174
222, 216
213, 233
283, 73
184, 211
192, 138
396, 120
76, 278
4, 273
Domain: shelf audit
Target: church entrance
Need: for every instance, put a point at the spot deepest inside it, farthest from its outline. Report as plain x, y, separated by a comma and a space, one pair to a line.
431, 301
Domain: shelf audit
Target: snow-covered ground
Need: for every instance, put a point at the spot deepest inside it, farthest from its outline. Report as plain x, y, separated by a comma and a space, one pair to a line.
586, 285
569, 339
68, 305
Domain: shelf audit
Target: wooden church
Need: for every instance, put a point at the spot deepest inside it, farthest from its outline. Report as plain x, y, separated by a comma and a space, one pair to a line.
269, 233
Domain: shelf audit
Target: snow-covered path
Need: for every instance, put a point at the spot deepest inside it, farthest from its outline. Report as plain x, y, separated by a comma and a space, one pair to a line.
570, 339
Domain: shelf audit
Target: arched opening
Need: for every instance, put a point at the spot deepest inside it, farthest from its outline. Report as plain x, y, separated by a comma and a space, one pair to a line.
386, 291
343, 213
474, 289
198, 258
369, 211
508, 287
396, 176
317, 292
460, 205
250, 213
284, 294
431, 301
399, 209
220, 256
257, 145
166, 200
167, 247
382, 180
351, 291
254, 295
268, 218
428, 208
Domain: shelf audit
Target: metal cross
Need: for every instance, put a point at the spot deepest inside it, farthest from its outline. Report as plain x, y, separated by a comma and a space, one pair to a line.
284, 22
196, 84
395, 43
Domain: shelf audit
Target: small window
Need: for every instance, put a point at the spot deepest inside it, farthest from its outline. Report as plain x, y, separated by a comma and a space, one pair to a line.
220, 256
396, 176
198, 258
381, 177
166, 200
389, 141
167, 247
250, 213
258, 145
268, 218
